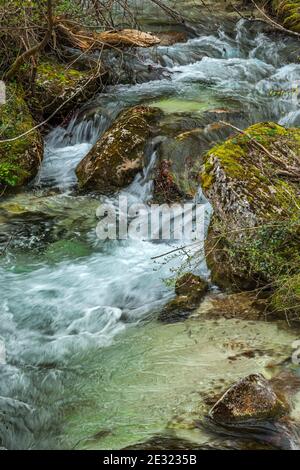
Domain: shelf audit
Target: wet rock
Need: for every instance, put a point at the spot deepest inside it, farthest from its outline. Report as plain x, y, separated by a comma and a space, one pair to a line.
119, 154
55, 85
255, 411
177, 173
252, 398
191, 285
31, 230
252, 184
20, 159
161, 442
242, 305
190, 290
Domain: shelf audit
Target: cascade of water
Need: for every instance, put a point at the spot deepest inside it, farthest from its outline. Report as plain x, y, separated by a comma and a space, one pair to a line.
57, 313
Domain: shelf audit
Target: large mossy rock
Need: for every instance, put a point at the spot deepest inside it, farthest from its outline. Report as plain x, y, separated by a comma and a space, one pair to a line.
57, 84
288, 12
252, 181
119, 154
20, 159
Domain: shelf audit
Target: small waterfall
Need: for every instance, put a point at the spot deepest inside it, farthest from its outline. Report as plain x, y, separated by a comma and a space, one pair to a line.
142, 187
66, 147
59, 312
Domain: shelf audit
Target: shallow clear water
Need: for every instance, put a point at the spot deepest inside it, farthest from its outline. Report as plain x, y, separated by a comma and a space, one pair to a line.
85, 355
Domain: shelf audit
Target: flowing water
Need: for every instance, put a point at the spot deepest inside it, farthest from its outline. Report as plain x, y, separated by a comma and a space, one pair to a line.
87, 363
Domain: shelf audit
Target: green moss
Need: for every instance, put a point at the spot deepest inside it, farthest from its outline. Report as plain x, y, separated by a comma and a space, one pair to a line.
206, 180
10, 173
57, 75
56, 84
288, 12
242, 161
18, 159
255, 233
118, 155
229, 154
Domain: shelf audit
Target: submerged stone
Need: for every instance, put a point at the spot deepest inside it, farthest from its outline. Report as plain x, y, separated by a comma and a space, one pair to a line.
177, 366
242, 305
252, 398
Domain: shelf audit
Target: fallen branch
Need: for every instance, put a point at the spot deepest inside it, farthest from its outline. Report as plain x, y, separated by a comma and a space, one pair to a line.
83, 40
35, 49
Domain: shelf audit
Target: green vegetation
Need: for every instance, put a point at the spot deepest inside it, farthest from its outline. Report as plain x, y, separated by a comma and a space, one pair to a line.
257, 176
286, 298
55, 84
288, 12
253, 182
20, 159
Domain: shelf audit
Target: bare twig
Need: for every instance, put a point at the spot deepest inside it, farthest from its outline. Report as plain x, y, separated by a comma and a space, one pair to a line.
272, 22
292, 171
41, 124
35, 49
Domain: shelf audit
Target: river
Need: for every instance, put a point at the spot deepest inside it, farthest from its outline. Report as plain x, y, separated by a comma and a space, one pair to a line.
88, 365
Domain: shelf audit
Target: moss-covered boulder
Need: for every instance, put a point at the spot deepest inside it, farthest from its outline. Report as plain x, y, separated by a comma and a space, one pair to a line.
20, 159
253, 183
177, 173
119, 154
288, 12
56, 83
